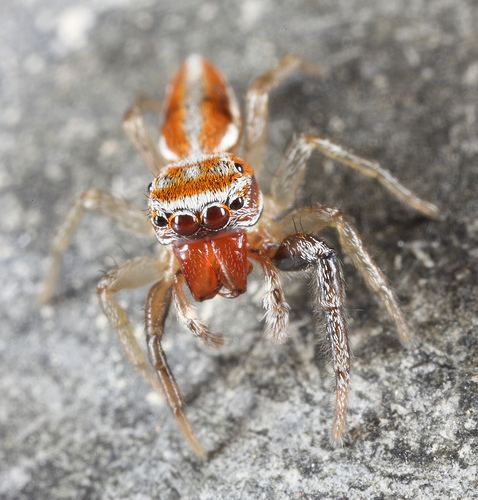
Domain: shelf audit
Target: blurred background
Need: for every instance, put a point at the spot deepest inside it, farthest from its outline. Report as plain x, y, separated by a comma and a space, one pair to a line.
399, 85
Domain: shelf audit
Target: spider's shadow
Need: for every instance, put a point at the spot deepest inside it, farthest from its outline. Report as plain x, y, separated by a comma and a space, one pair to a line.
75, 292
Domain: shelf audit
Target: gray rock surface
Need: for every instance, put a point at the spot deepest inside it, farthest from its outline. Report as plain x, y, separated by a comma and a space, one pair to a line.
400, 85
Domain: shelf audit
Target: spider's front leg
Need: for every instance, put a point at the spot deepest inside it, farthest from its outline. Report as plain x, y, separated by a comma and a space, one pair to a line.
304, 252
157, 306
134, 274
317, 217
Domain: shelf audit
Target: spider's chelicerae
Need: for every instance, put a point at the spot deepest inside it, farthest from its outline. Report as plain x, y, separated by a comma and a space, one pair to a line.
214, 223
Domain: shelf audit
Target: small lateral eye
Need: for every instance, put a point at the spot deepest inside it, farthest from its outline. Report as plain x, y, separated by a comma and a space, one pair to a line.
160, 221
239, 167
150, 187
237, 203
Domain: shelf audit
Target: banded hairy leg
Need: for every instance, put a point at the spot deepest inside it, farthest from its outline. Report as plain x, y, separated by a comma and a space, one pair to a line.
133, 273
305, 252
291, 173
137, 132
312, 220
257, 105
123, 214
156, 310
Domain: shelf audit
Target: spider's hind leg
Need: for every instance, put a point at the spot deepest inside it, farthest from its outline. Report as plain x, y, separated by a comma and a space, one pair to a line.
291, 173
137, 132
301, 252
257, 104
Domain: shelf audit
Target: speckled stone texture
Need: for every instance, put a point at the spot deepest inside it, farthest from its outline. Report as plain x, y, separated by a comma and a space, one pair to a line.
400, 84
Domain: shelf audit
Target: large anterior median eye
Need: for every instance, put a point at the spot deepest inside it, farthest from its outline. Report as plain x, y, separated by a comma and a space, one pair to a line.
184, 224
215, 217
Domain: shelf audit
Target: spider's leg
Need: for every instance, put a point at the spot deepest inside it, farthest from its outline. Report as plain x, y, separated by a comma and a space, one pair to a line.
313, 219
123, 213
187, 314
257, 105
306, 252
157, 306
133, 273
275, 305
291, 173
137, 132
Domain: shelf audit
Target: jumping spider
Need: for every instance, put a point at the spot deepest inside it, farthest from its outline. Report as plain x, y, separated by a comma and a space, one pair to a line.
213, 223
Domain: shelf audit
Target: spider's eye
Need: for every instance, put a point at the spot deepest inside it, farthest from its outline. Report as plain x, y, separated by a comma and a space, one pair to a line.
150, 187
184, 224
215, 217
237, 203
239, 167
160, 221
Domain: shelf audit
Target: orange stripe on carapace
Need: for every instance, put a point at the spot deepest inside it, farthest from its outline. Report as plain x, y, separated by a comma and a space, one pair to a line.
190, 187
209, 178
215, 109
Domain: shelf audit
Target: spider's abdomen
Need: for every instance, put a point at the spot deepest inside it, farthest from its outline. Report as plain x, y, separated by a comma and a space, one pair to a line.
201, 115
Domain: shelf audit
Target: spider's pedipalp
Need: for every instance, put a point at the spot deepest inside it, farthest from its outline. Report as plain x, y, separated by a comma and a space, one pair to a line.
306, 252
275, 305
187, 314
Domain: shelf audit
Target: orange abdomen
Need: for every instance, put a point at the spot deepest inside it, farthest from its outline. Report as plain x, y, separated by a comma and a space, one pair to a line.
201, 113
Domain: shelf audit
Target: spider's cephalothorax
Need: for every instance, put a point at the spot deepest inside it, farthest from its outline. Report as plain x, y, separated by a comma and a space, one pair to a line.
205, 206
